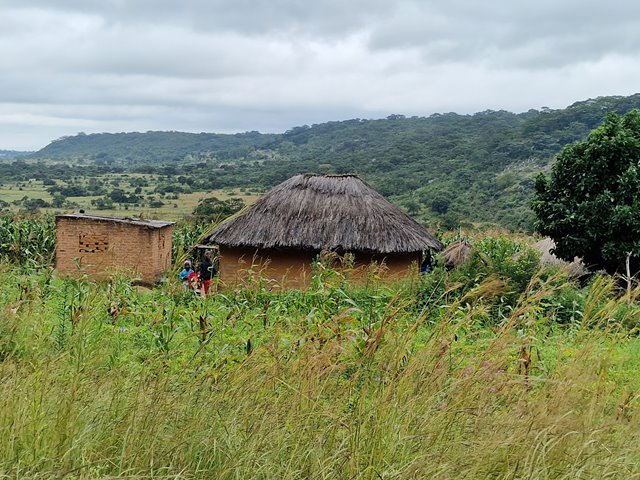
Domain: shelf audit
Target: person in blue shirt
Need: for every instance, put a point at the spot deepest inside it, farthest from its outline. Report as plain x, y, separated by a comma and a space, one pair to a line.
187, 270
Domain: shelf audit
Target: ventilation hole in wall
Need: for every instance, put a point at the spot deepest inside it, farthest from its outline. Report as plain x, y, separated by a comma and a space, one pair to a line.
93, 243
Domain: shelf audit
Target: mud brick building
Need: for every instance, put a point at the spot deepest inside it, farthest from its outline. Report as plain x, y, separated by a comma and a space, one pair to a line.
101, 245
284, 231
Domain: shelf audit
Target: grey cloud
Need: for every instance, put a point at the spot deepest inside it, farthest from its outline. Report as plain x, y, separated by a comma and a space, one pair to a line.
225, 65
319, 17
527, 34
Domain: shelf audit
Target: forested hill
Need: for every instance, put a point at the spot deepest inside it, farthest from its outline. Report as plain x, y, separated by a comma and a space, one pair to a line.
446, 167
152, 147
8, 154
457, 167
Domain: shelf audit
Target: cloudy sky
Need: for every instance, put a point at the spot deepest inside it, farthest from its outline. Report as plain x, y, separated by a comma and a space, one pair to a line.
268, 65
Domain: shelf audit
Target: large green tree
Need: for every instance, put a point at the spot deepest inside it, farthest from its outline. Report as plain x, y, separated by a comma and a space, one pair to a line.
590, 203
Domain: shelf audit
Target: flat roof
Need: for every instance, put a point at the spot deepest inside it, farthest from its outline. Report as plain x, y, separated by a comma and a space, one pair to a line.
128, 220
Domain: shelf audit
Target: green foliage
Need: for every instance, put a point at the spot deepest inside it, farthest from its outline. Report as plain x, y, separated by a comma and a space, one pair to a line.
101, 380
510, 264
565, 305
28, 241
31, 205
212, 209
450, 169
185, 236
150, 147
511, 260
590, 205
119, 196
102, 203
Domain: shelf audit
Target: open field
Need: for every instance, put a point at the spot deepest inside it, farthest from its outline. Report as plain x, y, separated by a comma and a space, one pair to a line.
172, 208
474, 373
12, 192
498, 369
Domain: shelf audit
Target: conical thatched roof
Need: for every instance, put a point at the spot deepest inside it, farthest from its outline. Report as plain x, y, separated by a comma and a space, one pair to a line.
574, 269
457, 253
325, 212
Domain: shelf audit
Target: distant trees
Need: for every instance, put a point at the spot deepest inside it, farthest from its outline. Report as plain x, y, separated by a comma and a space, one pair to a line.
590, 204
33, 205
440, 204
211, 208
461, 168
119, 196
69, 190
103, 203
58, 200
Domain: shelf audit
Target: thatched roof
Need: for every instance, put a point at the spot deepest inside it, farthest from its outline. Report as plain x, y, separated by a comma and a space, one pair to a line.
574, 269
457, 253
325, 212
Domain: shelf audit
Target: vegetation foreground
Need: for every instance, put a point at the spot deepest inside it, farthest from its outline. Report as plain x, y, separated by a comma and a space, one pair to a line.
496, 370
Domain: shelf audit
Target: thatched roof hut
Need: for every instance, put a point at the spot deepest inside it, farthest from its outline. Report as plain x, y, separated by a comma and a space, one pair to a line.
310, 213
457, 253
574, 269
325, 212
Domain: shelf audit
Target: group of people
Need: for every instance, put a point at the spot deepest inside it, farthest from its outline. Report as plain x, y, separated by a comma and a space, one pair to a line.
201, 280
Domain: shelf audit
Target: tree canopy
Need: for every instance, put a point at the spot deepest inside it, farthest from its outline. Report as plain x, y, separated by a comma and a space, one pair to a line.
445, 169
213, 209
590, 204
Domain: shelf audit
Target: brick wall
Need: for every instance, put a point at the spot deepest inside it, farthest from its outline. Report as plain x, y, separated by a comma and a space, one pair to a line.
99, 248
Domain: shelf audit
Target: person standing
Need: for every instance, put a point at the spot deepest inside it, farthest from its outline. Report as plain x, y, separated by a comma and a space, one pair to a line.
207, 272
187, 270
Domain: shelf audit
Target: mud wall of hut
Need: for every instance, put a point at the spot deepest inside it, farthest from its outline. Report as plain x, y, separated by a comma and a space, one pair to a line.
288, 269
100, 248
293, 268
388, 266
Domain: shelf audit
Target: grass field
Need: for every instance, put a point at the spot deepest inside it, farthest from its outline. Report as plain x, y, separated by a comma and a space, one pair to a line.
173, 208
477, 373
12, 192
499, 369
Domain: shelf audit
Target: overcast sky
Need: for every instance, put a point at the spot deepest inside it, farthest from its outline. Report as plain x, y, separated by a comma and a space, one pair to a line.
268, 65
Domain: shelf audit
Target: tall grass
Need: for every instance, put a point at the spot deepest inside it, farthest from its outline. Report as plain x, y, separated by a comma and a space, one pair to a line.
338, 382
27, 240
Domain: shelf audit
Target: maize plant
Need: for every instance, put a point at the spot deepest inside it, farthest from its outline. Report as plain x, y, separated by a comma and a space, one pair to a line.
27, 241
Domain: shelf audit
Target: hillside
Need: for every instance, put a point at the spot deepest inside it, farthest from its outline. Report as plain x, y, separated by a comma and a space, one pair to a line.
456, 167
449, 168
10, 154
151, 147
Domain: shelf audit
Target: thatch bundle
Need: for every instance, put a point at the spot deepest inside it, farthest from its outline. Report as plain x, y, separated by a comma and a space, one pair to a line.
574, 269
457, 253
325, 212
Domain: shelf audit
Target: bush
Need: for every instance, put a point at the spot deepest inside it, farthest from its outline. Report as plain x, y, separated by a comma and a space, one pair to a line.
510, 260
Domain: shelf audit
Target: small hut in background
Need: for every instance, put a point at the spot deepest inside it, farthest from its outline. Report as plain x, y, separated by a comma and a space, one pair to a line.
284, 231
457, 253
574, 269
100, 245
